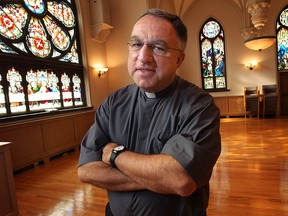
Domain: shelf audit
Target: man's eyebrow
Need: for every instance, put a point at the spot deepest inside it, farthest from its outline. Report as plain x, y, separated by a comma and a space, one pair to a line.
158, 41
135, 38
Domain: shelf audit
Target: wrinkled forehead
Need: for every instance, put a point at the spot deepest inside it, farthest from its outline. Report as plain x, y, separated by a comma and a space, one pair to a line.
152, 27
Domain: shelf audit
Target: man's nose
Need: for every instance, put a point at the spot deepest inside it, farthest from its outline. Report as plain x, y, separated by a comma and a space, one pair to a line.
145, 53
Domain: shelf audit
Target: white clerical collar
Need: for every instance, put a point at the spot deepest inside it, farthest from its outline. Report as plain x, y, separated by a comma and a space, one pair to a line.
150, 94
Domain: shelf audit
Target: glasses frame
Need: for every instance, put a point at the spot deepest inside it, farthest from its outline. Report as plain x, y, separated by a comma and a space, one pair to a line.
152, 47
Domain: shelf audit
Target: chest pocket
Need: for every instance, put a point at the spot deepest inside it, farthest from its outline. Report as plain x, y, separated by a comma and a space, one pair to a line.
160, 140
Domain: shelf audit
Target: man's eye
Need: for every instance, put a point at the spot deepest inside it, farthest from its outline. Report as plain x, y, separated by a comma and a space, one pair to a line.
137, 45
159, 48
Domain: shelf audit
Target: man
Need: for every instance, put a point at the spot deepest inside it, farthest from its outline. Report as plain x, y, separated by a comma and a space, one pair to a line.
154, 143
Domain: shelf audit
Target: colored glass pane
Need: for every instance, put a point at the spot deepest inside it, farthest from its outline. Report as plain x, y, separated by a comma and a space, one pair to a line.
16, 91
12, 21
208, 83
211, 29
35, 6
77, 90
212, 46
207, 63
283, 18
62, 12
59, 38
282, 40
66, 90
43, 90
219, 58
2, 98
28, 22
37, 40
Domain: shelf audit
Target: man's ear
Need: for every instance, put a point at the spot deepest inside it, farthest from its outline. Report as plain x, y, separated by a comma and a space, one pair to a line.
180, 59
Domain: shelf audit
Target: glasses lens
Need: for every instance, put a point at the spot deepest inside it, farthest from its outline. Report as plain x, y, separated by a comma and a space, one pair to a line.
135, 46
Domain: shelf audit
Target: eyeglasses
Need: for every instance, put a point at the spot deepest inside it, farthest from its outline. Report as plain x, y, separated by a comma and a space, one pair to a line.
157, 48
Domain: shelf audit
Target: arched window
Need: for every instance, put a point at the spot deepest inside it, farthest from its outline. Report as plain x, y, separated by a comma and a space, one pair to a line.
212, 51
40, 68
282, 40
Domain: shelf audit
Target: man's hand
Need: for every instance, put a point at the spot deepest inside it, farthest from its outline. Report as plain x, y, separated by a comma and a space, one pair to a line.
107, 149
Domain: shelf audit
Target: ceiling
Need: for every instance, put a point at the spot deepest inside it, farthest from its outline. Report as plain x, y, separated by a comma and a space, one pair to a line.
181, 7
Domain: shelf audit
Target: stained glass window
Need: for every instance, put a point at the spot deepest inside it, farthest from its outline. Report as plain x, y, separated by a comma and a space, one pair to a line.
282, 39
50, 32
16, 91
212, 48
40, 68
43, 90
2, 98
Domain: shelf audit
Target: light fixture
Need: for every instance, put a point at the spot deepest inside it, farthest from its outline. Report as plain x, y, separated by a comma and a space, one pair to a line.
258, 40
101, 70
260, 43
251, 66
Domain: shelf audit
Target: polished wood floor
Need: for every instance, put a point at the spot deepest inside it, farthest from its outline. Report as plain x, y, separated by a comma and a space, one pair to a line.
250, 178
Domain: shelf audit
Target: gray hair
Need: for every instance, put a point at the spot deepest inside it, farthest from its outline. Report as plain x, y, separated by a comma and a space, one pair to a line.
175, 20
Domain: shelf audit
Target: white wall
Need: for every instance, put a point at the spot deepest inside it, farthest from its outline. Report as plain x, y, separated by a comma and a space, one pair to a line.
238, 76
124, 13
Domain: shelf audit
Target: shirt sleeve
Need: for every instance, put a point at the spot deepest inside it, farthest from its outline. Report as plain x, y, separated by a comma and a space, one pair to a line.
95, 138
197, 146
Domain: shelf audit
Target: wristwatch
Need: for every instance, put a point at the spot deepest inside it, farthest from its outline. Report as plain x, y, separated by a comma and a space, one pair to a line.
115, 152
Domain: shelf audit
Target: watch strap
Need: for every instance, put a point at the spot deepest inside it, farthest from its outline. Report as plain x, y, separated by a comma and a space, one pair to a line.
113, 156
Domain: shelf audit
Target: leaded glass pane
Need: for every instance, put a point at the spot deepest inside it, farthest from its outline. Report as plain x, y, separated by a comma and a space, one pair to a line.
282, 40
6, 49
66, 90
59, 38
37, 40
220, 82
20, 46
284, 17
71, 56
77, 90
47, 31
211, 29
12, 19
27, 22
62, 12
207, 63
213, 56
219, 58
16, 91
2, 98
43, 90
208, 83
35, 6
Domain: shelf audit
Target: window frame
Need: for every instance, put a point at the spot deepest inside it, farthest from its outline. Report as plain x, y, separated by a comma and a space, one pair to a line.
202, 37
278, 29
26, 61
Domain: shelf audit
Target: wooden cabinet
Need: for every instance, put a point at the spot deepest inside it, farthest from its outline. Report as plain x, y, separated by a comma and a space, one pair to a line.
283, 92
40, 139
230, 105
8, 200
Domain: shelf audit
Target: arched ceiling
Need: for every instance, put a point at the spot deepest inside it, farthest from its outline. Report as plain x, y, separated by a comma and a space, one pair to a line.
181, 7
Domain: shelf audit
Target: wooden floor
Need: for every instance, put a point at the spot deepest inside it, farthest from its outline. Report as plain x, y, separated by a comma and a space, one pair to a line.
250, 178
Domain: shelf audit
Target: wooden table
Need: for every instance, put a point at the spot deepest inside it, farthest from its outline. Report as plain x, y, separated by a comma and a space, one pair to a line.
7, 193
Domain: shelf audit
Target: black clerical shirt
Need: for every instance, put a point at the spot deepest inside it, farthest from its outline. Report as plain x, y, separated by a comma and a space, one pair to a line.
181, 121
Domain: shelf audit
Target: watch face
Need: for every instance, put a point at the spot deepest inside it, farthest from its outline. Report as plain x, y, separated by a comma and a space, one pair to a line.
119, 148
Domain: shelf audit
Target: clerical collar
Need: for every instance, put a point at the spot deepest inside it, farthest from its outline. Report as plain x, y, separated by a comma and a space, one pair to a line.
163, 93
150, 94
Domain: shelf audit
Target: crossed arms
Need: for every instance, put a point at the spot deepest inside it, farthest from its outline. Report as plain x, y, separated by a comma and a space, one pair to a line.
159, 173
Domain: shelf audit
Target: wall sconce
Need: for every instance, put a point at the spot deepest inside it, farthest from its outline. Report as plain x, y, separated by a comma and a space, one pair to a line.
101, 70
251, 66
